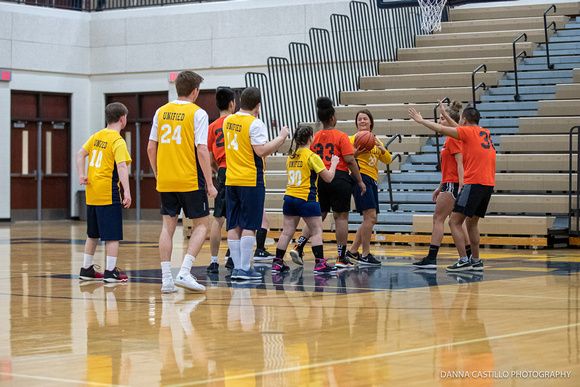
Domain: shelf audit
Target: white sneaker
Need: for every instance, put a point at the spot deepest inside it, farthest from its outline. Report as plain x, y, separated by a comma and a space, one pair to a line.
189, 282
168, 285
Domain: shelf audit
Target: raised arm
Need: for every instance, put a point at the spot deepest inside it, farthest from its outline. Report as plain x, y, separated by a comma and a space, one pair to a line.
446, 116
272, 146
443, 130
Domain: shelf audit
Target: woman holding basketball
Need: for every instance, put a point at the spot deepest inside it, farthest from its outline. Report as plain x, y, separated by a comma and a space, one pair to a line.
368, 151
336, 194
301, 199
451, 183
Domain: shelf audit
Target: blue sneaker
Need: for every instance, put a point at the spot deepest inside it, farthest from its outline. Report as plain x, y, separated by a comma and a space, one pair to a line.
234, 274
249, 274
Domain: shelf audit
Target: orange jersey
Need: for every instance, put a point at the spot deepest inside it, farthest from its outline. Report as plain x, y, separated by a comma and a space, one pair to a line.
450, 148
478, 155
215, 141
328, 142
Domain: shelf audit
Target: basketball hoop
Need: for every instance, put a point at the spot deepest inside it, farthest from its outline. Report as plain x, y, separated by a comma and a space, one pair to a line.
431, 12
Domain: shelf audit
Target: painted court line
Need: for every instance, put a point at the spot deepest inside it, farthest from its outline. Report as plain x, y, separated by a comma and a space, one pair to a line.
377, 356
46, 378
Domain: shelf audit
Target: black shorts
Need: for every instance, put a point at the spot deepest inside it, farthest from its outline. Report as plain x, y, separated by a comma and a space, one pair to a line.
336, 194
245, 207
194, 204
452, 188
371, 197
219, 204
473, 200
105, 222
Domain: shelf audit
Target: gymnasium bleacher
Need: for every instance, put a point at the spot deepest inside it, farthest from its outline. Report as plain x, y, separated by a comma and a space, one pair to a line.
530, 202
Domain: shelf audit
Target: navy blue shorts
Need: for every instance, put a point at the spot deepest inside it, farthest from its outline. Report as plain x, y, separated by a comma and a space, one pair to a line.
244, 207
105, 222
300, 207
371, 197
219, 204
473, 200
193, 203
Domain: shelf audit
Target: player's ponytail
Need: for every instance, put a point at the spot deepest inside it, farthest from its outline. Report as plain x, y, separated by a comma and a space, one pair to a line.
454, 110
301, 136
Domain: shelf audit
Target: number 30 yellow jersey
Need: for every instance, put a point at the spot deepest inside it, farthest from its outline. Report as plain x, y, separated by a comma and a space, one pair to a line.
302, 172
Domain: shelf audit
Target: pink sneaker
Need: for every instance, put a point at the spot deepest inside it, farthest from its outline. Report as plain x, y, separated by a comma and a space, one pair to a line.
279, 266
322, 267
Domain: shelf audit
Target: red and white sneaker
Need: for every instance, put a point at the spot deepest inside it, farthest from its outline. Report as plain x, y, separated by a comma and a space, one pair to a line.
90, 274
114, 276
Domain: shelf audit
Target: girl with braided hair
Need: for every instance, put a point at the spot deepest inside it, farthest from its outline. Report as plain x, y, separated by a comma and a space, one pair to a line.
301, 199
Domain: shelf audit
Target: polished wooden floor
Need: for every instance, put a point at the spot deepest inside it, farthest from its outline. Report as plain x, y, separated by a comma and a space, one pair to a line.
518, 323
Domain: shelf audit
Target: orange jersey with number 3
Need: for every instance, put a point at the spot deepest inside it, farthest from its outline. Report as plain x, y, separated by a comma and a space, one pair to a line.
478, 155
328, 142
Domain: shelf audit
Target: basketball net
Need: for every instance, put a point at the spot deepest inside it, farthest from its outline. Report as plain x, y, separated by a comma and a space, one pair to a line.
431, 12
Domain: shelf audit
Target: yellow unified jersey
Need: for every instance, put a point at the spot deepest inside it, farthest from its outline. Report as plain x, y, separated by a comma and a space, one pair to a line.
368, 161
178, 169
245, 167
303, 169
106, 148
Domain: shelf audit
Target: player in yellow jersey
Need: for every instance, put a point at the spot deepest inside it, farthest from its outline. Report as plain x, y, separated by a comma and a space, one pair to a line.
301, 199
108, 160
179, 158
246, 144
367, 204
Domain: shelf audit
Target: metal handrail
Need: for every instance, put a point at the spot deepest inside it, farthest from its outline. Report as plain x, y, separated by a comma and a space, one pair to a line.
394, 207
574, 211
546, 27
524, 35
473, 87
446, 99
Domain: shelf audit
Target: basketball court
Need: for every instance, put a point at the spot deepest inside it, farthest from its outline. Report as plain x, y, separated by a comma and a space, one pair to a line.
364, 326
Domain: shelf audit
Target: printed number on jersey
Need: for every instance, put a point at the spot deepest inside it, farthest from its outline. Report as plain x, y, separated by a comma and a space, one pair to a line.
294, 177
488, 143
98, 155
233, 142
169, 134
320, 150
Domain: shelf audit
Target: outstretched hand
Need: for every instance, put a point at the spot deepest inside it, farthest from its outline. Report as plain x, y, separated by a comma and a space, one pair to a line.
415, 115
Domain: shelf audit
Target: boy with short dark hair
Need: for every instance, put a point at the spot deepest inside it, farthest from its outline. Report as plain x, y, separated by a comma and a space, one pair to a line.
108, 160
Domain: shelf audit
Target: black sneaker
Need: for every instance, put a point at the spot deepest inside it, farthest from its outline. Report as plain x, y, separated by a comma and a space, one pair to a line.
230, 263
478, 266
369, 260
90, 274
343, 262
426, 263
263, 255
213, 267
460, 266
297, 255
354, 256
114, 276
461, 278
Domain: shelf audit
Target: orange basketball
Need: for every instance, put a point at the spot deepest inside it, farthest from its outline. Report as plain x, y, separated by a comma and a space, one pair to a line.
364, 141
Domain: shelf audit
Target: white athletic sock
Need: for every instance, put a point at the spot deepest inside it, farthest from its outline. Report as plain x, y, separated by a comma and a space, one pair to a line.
165, 269
234, 245
187, 264
247, 244
111, 263
88, 261
464, 259
214, 259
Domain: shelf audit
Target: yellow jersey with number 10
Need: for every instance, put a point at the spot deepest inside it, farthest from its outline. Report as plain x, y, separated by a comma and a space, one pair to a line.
178, 169
106, 149
245, 167
303, 169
